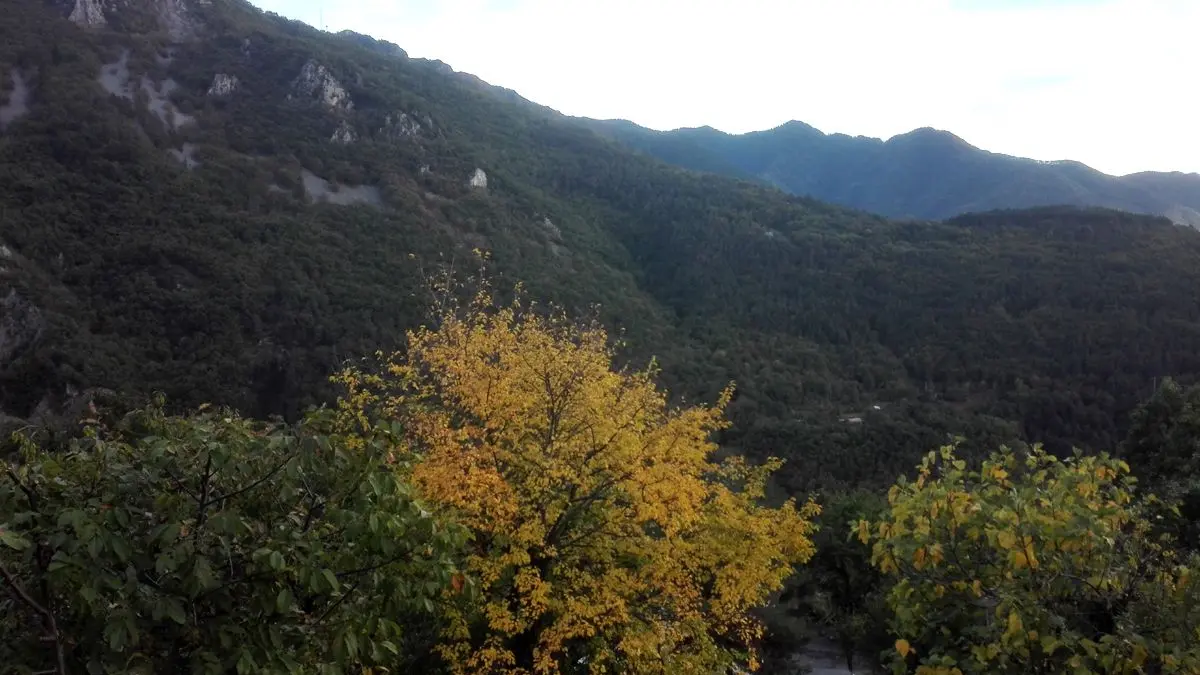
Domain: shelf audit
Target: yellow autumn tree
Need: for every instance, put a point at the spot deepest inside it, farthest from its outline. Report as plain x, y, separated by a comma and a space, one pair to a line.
1030, 564
606, 536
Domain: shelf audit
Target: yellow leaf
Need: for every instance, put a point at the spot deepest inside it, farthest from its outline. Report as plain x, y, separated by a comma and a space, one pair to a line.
1015, 627
1006, 540
864, 531
903, 647
1139, 656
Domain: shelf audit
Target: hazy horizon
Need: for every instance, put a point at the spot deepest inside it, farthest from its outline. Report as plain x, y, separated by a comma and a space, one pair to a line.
1046, 79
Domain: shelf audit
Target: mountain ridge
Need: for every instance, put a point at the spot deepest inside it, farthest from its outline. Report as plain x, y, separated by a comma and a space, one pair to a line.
923, 173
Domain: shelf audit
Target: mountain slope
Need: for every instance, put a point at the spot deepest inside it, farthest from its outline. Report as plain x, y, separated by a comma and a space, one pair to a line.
227, 211
922, 174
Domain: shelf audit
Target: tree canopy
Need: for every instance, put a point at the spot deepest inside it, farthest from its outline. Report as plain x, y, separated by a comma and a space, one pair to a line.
604, 531
210, 543
1032, 564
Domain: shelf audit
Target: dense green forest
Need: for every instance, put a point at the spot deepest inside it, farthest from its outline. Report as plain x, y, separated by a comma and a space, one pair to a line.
925, 173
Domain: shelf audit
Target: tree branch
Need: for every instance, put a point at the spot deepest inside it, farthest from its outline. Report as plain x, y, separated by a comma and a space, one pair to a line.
202, 502
52, 634
29, 493
220, 498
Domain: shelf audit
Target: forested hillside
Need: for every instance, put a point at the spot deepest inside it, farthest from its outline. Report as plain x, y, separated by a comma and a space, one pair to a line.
319, 358
224, 206
925, 173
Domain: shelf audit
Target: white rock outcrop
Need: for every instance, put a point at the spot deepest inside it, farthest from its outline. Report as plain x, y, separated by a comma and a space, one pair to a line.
223, 85
114, 77
18, 101
175, 18
478, 180
87, 13
158, 101
186, 156
315, 81
400, 125
344, 134
21, 325
320, 190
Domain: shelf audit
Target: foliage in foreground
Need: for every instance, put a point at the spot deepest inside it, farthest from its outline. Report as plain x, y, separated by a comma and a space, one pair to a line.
575, 523
605, 536
1032, 564
211, 544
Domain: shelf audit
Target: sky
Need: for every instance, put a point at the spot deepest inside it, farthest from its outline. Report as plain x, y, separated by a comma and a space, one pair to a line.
1111, 83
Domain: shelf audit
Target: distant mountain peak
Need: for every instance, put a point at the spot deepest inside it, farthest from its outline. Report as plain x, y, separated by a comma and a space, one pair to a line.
930, 135
799, 126
923, 173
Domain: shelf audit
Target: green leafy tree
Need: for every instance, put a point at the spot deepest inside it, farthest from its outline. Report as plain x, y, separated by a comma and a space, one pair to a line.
1031, 564
1163, 445
212, 543
838, 595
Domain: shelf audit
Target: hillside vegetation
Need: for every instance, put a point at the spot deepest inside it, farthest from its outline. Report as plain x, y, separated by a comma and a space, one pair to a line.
498, 499
128, 270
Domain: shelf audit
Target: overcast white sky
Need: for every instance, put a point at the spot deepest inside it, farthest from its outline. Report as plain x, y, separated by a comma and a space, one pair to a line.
1111, 83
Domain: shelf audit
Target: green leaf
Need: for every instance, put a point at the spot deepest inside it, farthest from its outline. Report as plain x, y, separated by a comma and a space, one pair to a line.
202, 572
332, 579
175, 611
13, 540
114, 634
121, 548
170, 532
284, 601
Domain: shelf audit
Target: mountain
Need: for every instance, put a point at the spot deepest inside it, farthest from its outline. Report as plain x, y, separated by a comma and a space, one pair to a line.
925, 173
204, 200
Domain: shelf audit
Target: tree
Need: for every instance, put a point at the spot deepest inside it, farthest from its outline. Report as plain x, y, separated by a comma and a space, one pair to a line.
605, 536
210, 543
1164, 434
1164, 447
1032, 565
839, 591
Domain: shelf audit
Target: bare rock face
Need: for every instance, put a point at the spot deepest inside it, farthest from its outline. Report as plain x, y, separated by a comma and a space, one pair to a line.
344, 134
87, 13
223, 85
175, 18
316, 82
399, 126
18, 101
159, 103
478, 180
320, 190
186, 155
114, 77
21, 325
